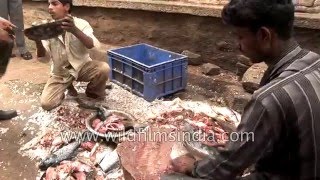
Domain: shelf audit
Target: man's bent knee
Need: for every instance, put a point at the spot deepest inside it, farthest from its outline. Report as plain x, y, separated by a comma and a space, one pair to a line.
49, 105
104, 69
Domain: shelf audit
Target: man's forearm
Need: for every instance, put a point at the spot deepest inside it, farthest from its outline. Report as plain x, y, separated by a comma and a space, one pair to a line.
254, 137
86, 40
41, 51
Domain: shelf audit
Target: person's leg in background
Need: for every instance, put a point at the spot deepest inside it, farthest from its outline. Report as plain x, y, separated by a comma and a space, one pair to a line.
4, 12
16, 17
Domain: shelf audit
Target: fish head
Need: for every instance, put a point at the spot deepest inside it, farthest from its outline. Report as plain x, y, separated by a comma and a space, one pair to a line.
46, 163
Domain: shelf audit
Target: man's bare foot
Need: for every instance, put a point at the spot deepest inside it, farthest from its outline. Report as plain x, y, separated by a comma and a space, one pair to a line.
72, 91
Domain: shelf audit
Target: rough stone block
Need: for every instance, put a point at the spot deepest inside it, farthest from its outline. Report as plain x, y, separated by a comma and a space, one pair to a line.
193, 58
224, 46
310, 10
252, 77
250, 87
244, 60
241, 69
240, 101
308, 3
210, 69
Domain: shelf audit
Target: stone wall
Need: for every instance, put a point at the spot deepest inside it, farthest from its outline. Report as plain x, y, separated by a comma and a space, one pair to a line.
307, 15
307, 6
209, 2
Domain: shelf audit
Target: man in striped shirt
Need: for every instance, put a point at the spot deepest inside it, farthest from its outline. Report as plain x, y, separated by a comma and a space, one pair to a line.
284, 114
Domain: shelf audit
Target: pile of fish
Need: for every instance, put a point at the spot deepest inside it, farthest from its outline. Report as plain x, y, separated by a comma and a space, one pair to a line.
216, 112
113, 123
82, 158
210, 131
72, 117
53, 141
70, 156
69, 169
173, 118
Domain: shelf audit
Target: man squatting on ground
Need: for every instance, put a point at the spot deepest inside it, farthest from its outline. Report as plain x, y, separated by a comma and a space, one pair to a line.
284, 114
70, 58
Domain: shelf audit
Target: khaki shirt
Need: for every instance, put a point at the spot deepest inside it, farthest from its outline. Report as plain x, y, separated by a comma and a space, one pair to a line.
69, 55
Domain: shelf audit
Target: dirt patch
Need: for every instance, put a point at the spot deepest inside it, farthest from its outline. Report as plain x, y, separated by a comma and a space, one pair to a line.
206, 36
176, 32
173, 32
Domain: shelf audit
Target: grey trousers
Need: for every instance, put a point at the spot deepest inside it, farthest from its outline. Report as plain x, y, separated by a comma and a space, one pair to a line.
12, 9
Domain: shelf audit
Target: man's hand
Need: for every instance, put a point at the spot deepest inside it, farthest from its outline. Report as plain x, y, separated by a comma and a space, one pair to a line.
68, 24
183, 164
5, 36
6, 25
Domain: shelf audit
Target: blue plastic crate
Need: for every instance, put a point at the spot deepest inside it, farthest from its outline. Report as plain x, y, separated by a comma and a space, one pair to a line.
148, 71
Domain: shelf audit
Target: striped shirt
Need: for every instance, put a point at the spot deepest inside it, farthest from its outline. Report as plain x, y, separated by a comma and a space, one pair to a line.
280, 126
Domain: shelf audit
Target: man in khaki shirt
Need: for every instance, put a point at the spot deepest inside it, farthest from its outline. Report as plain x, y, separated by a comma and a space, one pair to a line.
70, 58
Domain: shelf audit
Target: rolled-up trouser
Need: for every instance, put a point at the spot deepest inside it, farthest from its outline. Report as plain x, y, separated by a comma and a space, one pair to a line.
94, 72
12, 9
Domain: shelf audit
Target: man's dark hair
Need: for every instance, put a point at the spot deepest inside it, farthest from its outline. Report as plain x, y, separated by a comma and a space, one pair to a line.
276, 14
64, 2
